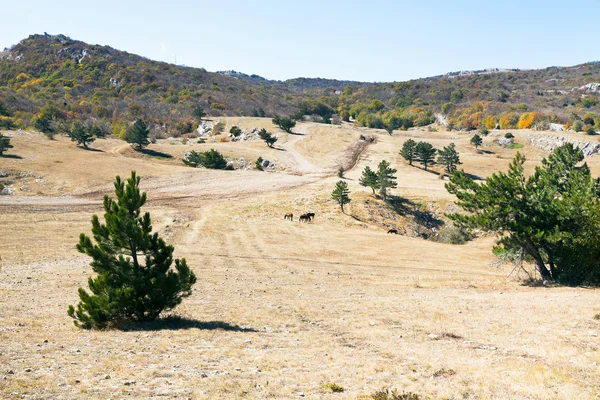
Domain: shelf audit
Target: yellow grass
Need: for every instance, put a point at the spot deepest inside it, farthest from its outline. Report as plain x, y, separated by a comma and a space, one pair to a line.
307, 305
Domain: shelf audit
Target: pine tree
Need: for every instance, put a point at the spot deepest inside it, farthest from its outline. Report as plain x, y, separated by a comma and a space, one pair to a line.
135, 281
369, 179
267, 137
425, 154
138, 134
198, 112
341, 194
44, 125
409, 149
284, 123
449, 158
81, 134
385, 178
552, 215
476, 141
4, 144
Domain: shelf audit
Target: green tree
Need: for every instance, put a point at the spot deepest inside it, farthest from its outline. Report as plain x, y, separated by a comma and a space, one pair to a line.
3, 110
135, 280
449, 158
409, 151
284, 123
45, 126
340, 172
267, 137
369, 179
210, 159
385, 178
4, 144
138, 134
80, 134
258, 164
341, 194
552, 215
198, 112
476, 141
425, 154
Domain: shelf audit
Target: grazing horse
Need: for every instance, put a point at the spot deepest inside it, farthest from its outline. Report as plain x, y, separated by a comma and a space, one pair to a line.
393, 231
304, 218
311, 216
289, 216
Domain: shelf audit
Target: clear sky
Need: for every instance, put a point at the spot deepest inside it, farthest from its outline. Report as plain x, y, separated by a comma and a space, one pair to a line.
375, 40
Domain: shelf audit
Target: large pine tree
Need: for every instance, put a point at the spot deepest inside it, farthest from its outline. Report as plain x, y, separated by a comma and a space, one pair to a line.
4, 143
135, 281
449, 158
369, 179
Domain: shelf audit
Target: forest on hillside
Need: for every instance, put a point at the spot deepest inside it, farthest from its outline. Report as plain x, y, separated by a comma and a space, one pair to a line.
58, 80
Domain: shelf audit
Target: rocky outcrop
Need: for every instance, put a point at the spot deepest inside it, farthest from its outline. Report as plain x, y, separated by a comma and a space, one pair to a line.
550, 142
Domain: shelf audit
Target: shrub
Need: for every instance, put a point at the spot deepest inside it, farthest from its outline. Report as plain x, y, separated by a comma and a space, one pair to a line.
235, 131
340, 172
509, 135
453, 235
135, 281
211, 159
387, 394
258, 164
218, 128
333, 387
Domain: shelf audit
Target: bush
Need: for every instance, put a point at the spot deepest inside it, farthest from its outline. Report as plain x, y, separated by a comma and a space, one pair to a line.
453, 235
387, 394
235, 131
258, 164
218, 128
211, 159
509, 135
333, 387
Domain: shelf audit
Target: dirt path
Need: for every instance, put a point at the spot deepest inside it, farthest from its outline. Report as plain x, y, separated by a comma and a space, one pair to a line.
300, 163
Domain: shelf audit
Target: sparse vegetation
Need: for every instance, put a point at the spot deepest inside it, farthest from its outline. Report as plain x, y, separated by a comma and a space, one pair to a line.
333, 387
126, 287
387, 394
258, 164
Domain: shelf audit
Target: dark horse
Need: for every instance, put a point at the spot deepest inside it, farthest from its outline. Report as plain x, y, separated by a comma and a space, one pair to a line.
394, 231
289, 216
311, 216
304, 218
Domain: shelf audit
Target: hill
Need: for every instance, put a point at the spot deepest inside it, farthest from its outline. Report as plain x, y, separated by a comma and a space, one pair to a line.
82, 81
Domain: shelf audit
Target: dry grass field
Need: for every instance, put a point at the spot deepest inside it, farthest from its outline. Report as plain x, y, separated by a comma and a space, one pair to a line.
282, 310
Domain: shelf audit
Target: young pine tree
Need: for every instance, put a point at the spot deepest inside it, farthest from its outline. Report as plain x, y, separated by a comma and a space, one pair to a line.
449, 158
425, 154
341, 194
81, 134
385, 178
4, 143
138, 134
258, 164
476, 141
369, 179
135, 281
267, 137
409, 151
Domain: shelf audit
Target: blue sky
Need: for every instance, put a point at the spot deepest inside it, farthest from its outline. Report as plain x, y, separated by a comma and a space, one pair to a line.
372, 40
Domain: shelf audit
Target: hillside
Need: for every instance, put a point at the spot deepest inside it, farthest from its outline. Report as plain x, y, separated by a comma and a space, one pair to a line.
82, 81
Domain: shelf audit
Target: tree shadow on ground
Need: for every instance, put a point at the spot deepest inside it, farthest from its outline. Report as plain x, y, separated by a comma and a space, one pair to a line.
278, 148
175, 323
406, 207
93, 149
14, 156
295, 134
155, 153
